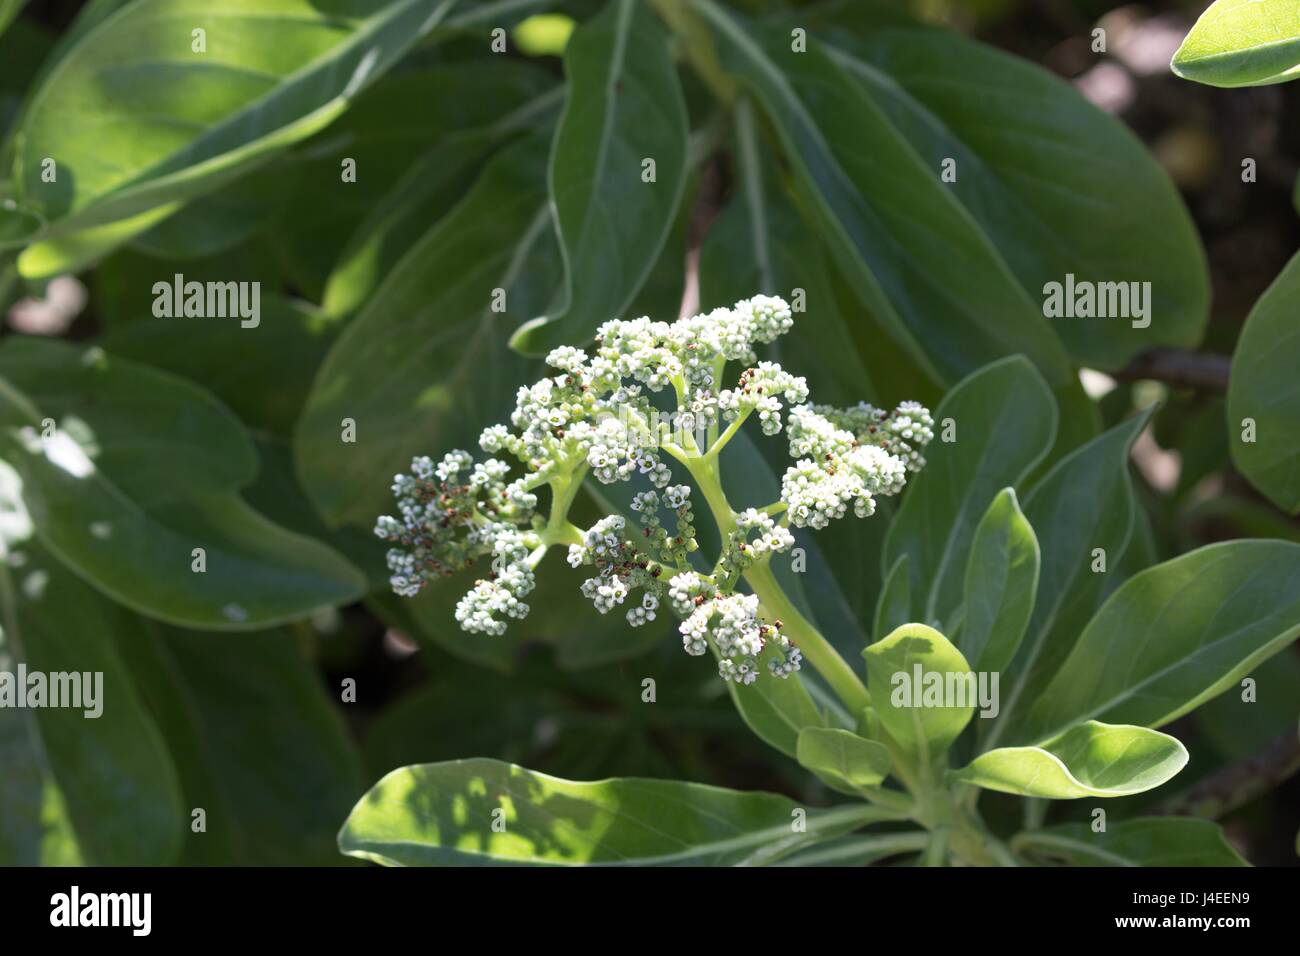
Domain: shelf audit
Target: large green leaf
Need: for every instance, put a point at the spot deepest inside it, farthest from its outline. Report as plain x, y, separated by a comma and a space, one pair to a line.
103, 789
1242, 43
914, 256
17, 226
140, 550
1088, 760
625, 105
262, 373
1058, 186
900, 671
423, 368
1001, 581
1264, 387
1145, 841
159, 123
1174, 636
155, 436
1083, 504
269, 798
444, 814
1004, 421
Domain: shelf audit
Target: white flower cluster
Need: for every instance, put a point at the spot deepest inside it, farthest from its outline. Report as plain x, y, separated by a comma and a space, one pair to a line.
513, 578
733, 623
449, 513
599, 413
850, 456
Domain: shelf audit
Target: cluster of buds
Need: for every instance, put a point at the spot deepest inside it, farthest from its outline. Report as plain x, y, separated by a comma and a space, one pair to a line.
599, 415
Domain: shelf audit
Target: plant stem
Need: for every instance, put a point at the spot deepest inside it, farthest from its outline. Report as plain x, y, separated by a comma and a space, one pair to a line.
819, 651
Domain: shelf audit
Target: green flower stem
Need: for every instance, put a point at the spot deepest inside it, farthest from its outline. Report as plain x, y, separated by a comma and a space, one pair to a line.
819, 652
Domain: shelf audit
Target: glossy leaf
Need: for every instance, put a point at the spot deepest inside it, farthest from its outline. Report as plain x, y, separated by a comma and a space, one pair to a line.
1004, 421
171, 123
903, 671
1176, 635
141, 553
1001, 581
1059, 186
842, 759
1083, 504
100, 789
1242, 43
1264, 393
423, 367
625, 106
1144, 841
1088, 760
442, 814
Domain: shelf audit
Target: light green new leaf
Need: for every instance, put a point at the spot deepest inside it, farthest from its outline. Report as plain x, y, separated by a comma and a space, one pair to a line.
136, 118
1083, 504
842, 759
1242, 43
140, 551
1144, 841
424, 366
1004, 420
1174, 636
1058, 185
100, 790
1264, 388
443, 814
1001, 581
625, 106
1088, 760
922, 689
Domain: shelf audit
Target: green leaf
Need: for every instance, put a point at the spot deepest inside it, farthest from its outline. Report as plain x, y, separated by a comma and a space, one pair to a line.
915, 258
625, 105
213, 223
156, 437
1264, 388
1001, 581
1176, 635
400, 121
262, 373
171, 124
17, 226
1088, 760
140, 550
1242, 43
903, 672
1144, 841
895, 604
423, 369
1004, 421
97, 789
1058, 186
842, 759
270, 799
442, 814
1083, 504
